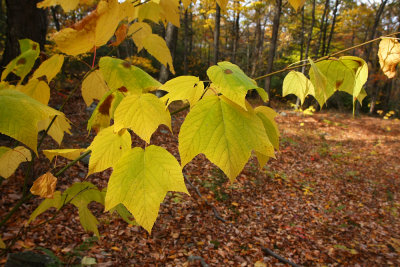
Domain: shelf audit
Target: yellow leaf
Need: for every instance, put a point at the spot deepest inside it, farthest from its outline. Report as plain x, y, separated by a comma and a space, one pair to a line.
66, 153
44, 186
94, 87
170, 11
20, 115
222, 4
11, 158
297, 4
267, 116
142, 114
298, 84
58, 128
259, 264
150, 11
139, 32
55, 202
67, 5
186, 3
389, 56
320, 83
93, 30
183, 88
158, 48
140, 181
50, 67
107, 147
225, 133
36, 89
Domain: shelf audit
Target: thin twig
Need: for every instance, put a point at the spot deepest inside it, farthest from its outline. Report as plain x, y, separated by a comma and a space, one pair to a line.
66, 167
269, 252
324, 58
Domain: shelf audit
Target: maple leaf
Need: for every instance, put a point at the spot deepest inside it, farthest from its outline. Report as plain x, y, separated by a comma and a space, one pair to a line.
142, 114
183, 88
120, 74
23, 64
389, 56
93, 87
321, 89
140, 181
296, 83
10, 158
66, 153
50, 67
225, 133
55, 202
36, 89
297, 4
44, 186
20, 115
107, 147
67, 5
231, 81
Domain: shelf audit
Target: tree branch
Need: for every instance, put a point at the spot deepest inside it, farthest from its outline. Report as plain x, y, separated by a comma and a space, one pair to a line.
269, 252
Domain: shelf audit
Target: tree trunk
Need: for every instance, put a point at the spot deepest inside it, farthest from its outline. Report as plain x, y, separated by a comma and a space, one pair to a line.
170, 39
373, 90
332, 27
324, 34
272, 47
56, 21
257, 47
216, 33
321, 27
185, 43
24, 20
236, 34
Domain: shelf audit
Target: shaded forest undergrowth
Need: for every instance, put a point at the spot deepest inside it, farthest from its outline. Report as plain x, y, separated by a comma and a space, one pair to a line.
330, 197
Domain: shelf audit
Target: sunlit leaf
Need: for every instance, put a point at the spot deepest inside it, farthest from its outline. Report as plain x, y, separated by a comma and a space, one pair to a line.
67, 5
297, 4
296, 83
142, 114
389, 56
44, 186
225, 133
120, 34
140, 181
320, 83
139, 32
183, 88
267, 116
231, 81
170, 11
120, 74
60, 126
10, 158
158, 48
107, 147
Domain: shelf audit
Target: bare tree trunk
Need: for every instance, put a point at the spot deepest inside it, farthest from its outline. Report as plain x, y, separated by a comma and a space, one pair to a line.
272, 47
236, 34
373, 90
324, 34
321, 27
332, 27
24, 20
170, 39
257, 47
185, 43
309, 37
216, 33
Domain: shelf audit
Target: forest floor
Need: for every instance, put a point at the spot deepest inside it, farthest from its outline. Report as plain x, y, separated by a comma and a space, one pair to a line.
330, 198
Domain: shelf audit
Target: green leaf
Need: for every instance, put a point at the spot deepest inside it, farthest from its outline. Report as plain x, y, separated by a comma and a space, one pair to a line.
267, 116
360, 69
125, 77
298, 84
55, 202
140, 181
225, 133
231, 81
107, 147
20, 115
80, 195
11, 158
23, 64
142, 114
50, 67
320, 82
183, 88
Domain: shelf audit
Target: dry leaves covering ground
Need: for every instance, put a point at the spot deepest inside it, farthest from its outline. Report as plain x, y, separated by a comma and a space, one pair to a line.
331, 198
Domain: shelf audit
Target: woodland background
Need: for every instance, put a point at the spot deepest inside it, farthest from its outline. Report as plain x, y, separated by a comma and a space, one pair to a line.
330, 198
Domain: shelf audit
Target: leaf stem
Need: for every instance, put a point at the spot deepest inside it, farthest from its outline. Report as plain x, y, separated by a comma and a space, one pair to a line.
66, 167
